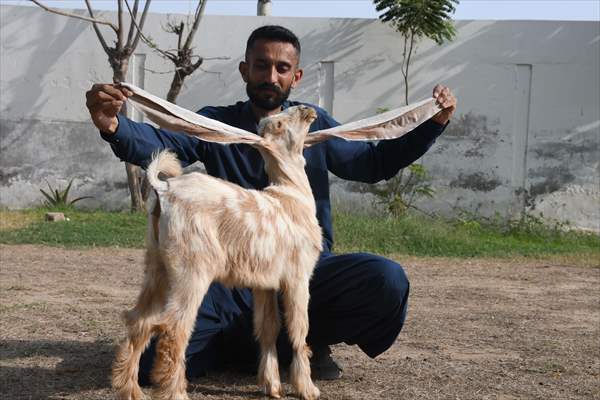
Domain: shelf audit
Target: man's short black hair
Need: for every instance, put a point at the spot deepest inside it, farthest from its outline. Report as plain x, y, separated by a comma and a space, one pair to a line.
274, 33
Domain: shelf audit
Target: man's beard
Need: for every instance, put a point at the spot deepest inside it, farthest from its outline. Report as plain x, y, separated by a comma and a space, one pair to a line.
272, 102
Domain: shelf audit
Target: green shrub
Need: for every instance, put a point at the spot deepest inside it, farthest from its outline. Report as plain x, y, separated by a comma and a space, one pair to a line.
400, 193
59, 199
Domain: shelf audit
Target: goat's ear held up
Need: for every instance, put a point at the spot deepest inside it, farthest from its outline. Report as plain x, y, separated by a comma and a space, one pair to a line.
172, 117
389, 125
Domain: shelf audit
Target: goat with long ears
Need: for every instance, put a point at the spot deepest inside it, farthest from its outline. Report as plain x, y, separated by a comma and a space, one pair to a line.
203, 229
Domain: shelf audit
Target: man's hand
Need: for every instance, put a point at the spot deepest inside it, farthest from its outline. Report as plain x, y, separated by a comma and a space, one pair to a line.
104, 101
446, 100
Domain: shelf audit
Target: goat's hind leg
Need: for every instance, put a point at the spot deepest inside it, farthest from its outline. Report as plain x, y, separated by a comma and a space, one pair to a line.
140, 323
295, 300
186, 293
266, 329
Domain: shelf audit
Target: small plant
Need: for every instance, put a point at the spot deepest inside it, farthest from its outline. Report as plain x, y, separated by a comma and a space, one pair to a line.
60, 198
399, 193
415, 20
537, 225
526, 224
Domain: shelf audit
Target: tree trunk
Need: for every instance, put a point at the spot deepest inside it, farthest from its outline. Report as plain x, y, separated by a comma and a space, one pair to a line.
176, 85
133, 180
134, 173
263, 8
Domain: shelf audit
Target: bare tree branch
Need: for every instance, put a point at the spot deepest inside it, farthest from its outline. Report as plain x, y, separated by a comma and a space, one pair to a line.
146, 40
133, 16
67, 14
184, 62
158, 72
179, 31
141, 25
216, 58
210, 72
197, 64
121, 32
107, 49
180, 68
198, 17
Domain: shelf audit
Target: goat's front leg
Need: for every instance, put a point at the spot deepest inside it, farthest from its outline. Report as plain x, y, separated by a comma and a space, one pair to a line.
185, 296
266, 329
140, 324
295, 300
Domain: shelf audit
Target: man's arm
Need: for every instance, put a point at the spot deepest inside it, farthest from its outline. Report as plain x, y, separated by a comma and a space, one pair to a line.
369, 162
131, 141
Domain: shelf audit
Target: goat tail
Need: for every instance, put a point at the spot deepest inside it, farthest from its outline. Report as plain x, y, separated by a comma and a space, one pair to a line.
164, 163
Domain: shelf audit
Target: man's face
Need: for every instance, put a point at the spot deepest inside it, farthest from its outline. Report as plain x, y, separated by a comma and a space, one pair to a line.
270, 72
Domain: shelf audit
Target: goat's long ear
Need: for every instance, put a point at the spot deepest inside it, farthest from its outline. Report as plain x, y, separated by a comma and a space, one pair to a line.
389, 125
172, 117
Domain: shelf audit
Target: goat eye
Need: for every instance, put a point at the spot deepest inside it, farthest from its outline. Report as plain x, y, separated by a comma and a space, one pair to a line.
279, 124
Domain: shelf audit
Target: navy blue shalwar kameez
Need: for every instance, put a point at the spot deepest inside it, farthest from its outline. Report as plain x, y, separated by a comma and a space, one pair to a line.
354, 298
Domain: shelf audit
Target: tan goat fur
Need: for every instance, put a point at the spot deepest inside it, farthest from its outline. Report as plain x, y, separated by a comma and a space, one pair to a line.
204, 229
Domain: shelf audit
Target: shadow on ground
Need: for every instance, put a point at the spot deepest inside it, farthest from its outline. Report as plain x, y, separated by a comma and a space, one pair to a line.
41, 369
45, 369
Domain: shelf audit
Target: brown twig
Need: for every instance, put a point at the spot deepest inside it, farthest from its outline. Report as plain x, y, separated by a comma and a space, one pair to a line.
141, 35
68, 14
197, 18
107, 49
121, 33
141, 25
133, 16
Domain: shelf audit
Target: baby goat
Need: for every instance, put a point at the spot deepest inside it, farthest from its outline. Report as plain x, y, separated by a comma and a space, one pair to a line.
212, 230
203, 229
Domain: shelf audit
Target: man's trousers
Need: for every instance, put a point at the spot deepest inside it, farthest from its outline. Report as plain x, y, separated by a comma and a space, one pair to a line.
354, 298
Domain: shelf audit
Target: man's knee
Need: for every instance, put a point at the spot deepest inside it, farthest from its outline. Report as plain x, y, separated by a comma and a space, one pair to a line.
390, 281
389, 289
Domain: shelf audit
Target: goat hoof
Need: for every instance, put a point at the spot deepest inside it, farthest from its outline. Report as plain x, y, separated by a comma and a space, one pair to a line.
311, 393
131, 394
274, 390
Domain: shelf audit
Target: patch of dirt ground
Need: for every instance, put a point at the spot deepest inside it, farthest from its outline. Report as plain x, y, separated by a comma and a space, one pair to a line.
476, 329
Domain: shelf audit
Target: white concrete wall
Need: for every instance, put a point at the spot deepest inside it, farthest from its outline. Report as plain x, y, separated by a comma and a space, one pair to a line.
526, 133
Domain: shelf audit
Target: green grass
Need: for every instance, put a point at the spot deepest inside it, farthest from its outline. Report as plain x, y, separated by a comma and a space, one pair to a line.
84, 228
412, 235
424, 236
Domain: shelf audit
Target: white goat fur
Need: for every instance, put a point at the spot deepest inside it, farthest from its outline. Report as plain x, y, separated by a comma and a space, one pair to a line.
210, 230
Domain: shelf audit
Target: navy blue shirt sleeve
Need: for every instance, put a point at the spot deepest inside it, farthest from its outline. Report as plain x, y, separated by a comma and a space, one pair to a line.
135, 143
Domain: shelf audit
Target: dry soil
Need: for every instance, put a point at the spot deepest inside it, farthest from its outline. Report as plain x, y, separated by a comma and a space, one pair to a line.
477, 329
